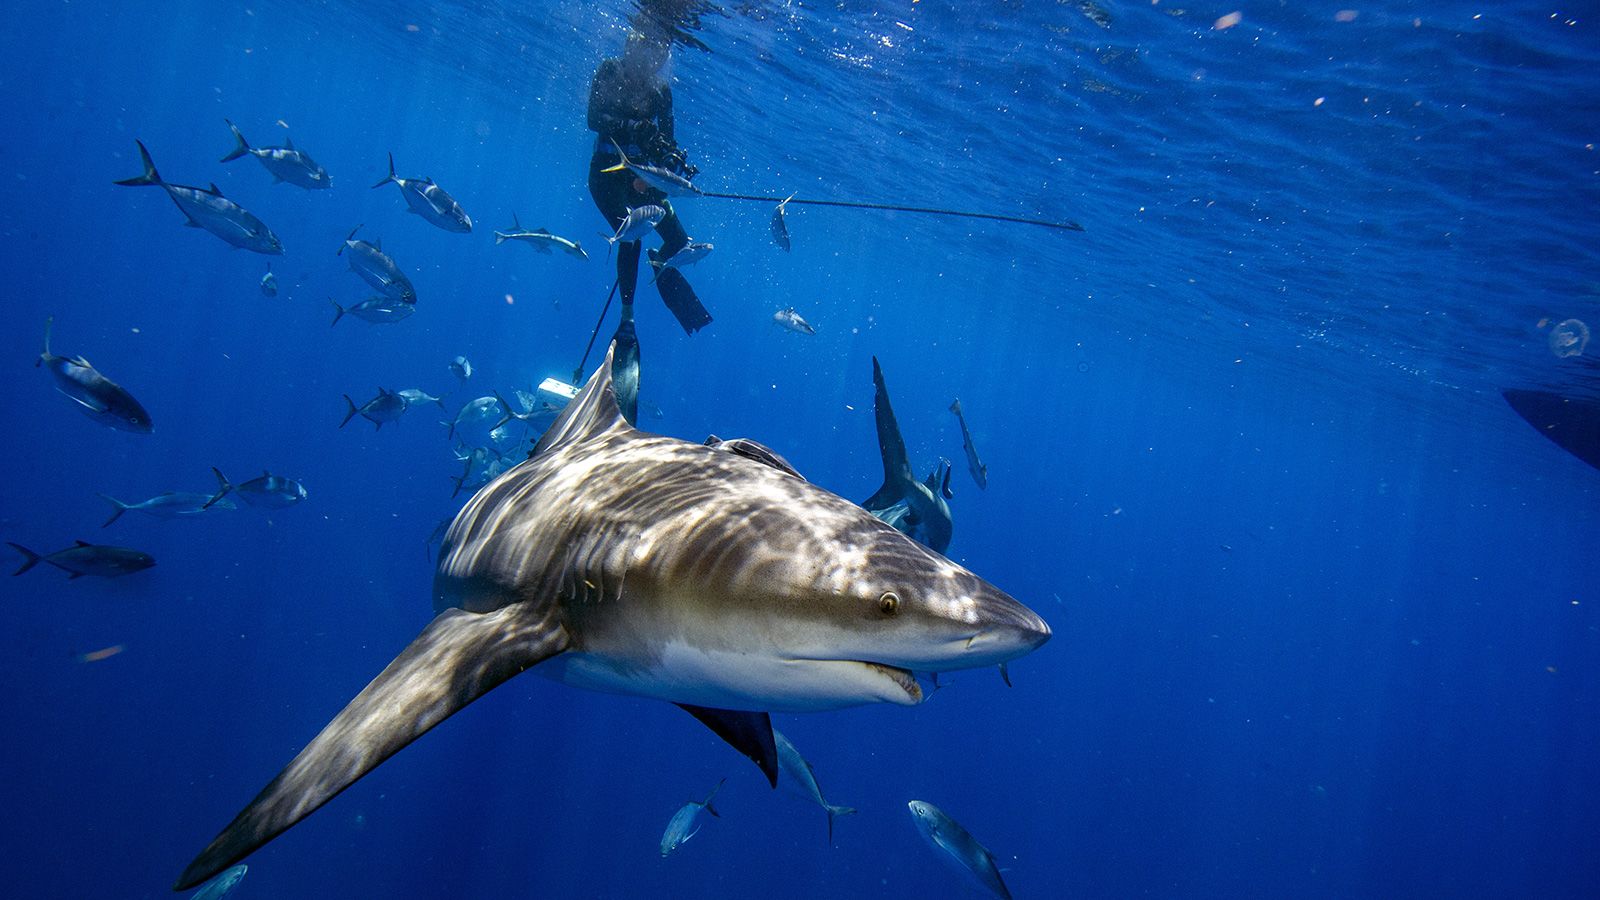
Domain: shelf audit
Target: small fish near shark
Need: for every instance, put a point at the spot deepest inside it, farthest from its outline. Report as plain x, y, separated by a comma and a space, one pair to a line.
208, 209
174, 504
96, 396
958, 848
780, 229
84, 558
377, 268
386, 407
268, 491
975, 466
377, 310
286, 164
792, 321
430, 201
540, 239
269, 283
664, 180
635, 225
805, 778
685, 823
620, 561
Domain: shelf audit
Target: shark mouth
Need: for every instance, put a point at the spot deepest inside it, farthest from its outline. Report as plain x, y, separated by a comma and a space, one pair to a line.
905, 679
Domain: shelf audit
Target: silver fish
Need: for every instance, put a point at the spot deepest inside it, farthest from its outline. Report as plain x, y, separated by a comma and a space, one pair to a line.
685, 822
461, 368
378, 269
975, 466
687, 255
664, 180
386, 407
415, 395
286, 164
799, 771
429, 201
780, 230
377, 310
958, 848
475, 411
269, 283
540, 239
636, 225
269, 491
97, 396
792, 321
208, 209
85, 558
174, 504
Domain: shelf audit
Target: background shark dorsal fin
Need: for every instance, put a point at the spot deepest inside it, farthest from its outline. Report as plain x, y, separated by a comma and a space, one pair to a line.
749, 733
896, 468
458, 658
288, 143
593, 411
541, 230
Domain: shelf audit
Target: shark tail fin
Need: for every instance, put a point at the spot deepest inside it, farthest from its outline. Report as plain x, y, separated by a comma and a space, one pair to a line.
458, 658
223, 487
240, 146
149, 176
339, 312
833, 813
352, 412
29, 558
387, 179
499, 239
117, 513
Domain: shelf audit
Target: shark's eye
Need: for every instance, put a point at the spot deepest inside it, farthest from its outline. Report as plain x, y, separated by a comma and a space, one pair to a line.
889, 603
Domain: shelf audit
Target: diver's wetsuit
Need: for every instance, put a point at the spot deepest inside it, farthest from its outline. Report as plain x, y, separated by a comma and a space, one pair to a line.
639, 119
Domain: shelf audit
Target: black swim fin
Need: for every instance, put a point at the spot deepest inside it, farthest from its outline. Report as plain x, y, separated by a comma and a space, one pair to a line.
681, 301
625, 371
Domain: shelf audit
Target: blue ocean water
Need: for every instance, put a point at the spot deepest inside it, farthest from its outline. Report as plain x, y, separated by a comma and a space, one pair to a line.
1326, 611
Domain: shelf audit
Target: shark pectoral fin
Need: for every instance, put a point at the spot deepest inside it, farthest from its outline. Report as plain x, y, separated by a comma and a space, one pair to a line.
749, 733
458, 658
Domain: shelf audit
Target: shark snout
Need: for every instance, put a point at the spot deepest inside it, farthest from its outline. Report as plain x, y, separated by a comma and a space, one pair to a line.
1007, 630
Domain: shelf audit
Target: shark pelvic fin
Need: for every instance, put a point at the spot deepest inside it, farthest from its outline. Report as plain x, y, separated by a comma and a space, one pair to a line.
458, 658
749, 733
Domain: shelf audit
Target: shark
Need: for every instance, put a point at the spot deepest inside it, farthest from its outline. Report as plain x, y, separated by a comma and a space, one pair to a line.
917, 508
711, 576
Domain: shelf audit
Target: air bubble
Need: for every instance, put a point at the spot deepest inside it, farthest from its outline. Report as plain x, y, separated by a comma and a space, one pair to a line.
1569, 338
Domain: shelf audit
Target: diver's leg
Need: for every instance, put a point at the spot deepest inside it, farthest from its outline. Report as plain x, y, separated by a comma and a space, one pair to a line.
675, 290
611, 192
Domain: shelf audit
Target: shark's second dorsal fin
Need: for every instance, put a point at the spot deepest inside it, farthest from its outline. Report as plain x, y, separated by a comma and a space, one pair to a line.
896, 467
754, 450
593, 411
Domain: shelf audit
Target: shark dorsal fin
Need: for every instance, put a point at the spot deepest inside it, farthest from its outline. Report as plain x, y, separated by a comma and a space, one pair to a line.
896, 468
592, 412
541, 231
754, 450
288, 143
216, 190
83, 543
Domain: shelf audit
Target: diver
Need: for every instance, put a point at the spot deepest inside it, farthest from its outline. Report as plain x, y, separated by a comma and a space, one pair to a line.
630, 104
